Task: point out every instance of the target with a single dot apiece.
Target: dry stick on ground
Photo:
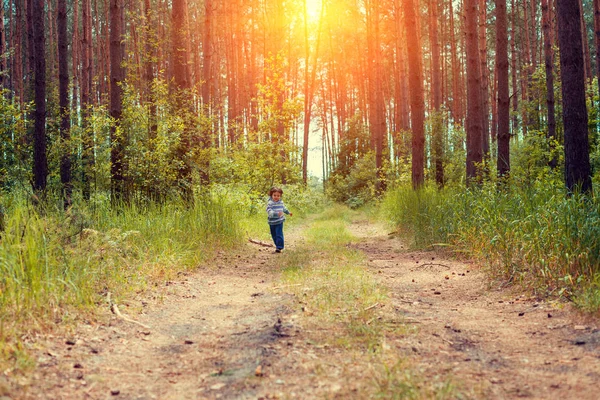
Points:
(433, 265)
(260, 243)
(115, 310)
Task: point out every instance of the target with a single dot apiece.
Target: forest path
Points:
(210, 330)
(494, 343)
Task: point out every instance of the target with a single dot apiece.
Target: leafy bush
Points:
(357, 187)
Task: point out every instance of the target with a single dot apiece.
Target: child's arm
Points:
(285, 210)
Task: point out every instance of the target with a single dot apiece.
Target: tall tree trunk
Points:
(40, 160)
(457, 102)
(86, 87)
(513, 68)
(577, 159)
(417, 101)
(18, 52)
(485, 91)
(207, 55)
(549, 64)
(117, 76)
(436, 88)
(181, 37)
(376, 103)
(63, 96)
(586, 46)
(503, 158)
(151, 44)
(474, 102)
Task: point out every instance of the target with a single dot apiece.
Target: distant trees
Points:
(151, 96)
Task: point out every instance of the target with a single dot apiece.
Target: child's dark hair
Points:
(275, 189)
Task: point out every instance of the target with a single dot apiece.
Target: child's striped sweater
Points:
(273, 210)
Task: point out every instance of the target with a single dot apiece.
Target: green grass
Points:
(56, 265)
(533, 235)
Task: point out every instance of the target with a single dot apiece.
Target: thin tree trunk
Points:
(549, 64)
(514, 72)
(63, 95)
(503, 158)
(484, 78)
(117, 75)
(457, 108)
(436, 87)
(40, 160)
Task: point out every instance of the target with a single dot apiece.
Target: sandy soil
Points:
(230, 331)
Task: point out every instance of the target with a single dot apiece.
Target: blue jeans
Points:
(277, 235)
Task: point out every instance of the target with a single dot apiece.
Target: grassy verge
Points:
(532, 235)
(57, 266)
(337, 294)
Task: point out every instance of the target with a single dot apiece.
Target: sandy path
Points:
(210, 330)
(495, 343)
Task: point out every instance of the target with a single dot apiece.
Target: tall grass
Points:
(534, 234)
(54, 264)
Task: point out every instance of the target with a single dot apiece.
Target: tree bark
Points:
(436, 88)
(474, 102)
(485, 91)
(63, 95)
(514, 71)
(549, 66)
(577, 160)
(503, 158)
(457, 102)
(40, 160)
(117, 75)
(417, 101)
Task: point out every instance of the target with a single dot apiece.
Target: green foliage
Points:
(54, 262)
(531, 234)
(14, 148)
(357, 187)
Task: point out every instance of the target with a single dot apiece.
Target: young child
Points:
(275, 212)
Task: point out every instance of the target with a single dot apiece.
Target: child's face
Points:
(276, 196)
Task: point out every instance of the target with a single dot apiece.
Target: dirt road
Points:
(232, 330)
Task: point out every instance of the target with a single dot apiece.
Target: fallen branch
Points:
(433, 265)
(115, 310)
(370, 307)
(260, 243)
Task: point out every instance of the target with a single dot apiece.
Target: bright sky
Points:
(313, 9)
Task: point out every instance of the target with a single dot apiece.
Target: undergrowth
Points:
(58, 266)
(531, 234)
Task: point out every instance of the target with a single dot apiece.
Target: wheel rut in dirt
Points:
(494, 342)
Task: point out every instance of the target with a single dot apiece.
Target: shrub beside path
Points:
(235, 330)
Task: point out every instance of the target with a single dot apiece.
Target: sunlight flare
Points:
(313, 9)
